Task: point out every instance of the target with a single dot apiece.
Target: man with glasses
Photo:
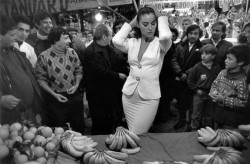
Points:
(43, 24)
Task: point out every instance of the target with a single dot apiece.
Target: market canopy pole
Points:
(136, 8)
(247, 7)
(104, 5)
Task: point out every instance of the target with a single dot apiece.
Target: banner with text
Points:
(30, 7)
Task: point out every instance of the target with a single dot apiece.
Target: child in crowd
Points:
(229, 90)
(199, 81)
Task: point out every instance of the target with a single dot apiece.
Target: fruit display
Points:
(26, 143)
(220, 155)
(245, 130)
(75, 144)
(220, 137)
(105, 157)
(123, 140)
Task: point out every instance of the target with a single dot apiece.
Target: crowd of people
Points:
(130, 74)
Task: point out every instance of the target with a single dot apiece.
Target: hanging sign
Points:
(30, 7)
(119, 2)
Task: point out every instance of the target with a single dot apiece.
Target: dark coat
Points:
(201, 78)
(99, 76)
(222, 48)
(38, 44)
(167, 74)
(183, 60)
(6, 85)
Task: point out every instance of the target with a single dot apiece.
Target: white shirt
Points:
(29, 51)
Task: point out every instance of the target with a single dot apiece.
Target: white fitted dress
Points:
(141, 91)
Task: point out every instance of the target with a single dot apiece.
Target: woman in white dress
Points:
(141, 91)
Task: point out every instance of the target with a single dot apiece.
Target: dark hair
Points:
(174, 30)
(41, 15)
(242, 39)
(142, 11)
(223, 28)
(246, 25)
(116, 23)
(6, 24)
(101, 30)
(22, 19)
(241, 53)
(69, 29)
(209, 48)
(56, 34)
(205, 24)
(194, 27)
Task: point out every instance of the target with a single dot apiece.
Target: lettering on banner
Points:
(30, 7)
(235, 2)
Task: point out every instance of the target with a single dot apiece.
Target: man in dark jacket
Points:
(39, 40)
(187, 54)
(99, 79)
(217, 39)
(20, 97)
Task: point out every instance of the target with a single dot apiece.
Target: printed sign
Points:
(119, 2)
(30, 7)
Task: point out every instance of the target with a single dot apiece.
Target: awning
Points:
(30, 7)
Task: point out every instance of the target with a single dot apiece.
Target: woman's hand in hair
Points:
(133, 23)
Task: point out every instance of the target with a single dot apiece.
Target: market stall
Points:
(46, 145)
(168, 147)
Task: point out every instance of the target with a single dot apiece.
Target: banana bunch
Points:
(220, 155)
(245, 130)
(220, 137)
(104, 157)
(76, 144)
(122, 140)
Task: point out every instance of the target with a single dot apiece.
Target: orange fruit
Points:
(9, 143)
(40, 128)
(13, 134)
(32, 146)
(25, 129)
(39, 152)
(59, 130)
(55, 141)
(4, 133)
(7, 126)
(58, 137)
(4, 151)
(40, 140)
(16, 153)
(47, 132)
(41, 160)
(20, 159)
(15, 127)
(28, 135)
(33, 130)
(50, 146)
